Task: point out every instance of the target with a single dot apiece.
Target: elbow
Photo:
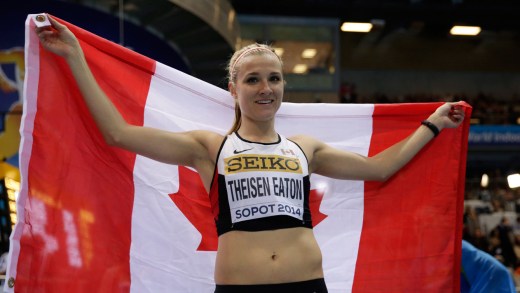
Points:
(112, 139)
(381, 178)
(114, 136)
(384, 176)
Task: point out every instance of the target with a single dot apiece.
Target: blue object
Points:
(481, 272)
(494, 135)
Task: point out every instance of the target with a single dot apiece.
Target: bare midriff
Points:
(268, 257)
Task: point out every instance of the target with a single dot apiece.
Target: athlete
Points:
(261, 186)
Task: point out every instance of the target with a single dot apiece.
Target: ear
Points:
(232, 89)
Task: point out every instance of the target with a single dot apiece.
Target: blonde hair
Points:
(233, 67)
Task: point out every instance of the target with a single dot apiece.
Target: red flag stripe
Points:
(403, 230)
(68, 209)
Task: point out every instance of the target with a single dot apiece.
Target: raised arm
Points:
(189, 148)
(339, 164)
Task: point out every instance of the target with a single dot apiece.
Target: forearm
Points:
(397, 156)
(105, 114)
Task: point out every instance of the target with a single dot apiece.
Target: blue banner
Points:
(494, 135)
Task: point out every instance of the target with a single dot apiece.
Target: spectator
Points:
(482, 273)
(504, 232)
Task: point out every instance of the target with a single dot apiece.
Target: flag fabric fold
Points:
(94, 218)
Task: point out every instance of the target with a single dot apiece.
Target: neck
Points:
(258, 131)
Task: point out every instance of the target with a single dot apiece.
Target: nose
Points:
(265, 88)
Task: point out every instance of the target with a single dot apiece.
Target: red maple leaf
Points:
(315, 198)
(193, 201)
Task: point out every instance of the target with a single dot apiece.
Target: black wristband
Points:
(431, 126)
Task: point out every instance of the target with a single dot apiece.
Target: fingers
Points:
(456, 113)
(452, 113)
(42, 29)
(457, 118)
(457, 107)
(44, 34)
(58, 26)
(444, 109)
(54, 25)
(55, 33)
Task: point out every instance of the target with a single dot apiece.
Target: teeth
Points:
(264, 102)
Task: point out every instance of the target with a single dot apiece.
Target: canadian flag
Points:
(94, 218)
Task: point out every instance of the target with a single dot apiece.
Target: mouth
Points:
(264, 102)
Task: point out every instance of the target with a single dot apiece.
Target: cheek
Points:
(280, 91)
(242, 99)
(245, 94)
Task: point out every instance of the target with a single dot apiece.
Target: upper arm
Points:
(335, 163)
(332, 162)
(180, 148)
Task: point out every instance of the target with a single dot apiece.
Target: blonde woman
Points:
(257, 179)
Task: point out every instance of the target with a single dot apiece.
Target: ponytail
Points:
(238, 119)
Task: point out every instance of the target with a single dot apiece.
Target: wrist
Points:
(433, 128)
(436, 121)
(75, 57)
(74, 53)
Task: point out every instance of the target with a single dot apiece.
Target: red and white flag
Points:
(94, 218)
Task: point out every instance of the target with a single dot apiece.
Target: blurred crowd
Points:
(487, 109)
(491, 223)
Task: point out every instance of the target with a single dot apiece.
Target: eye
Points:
(252, 79)
(275, 78)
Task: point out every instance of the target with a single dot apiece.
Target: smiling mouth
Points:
(264, 102)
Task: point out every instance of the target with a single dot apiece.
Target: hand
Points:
(449, 115)
(58, 39)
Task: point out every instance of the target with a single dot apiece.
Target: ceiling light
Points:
(484, 182)
(459, 30)
(300, 68)
(360, 27)
(513, 180)
(309, 53)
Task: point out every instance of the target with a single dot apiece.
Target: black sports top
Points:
(260, 186)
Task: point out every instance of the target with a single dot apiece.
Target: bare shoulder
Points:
(306, 141)
(308, 144)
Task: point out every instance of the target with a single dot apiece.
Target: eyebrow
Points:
(257, 73)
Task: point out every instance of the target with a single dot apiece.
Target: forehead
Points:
(259, 63)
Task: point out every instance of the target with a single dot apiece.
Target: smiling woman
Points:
(265, 243)
(263, 75)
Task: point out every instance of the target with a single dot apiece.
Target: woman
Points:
(258, 180)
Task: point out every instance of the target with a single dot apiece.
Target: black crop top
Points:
(259, 186)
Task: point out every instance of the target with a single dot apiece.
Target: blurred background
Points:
(334, 51)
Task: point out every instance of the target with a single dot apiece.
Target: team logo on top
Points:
(245, 163)
(287, 152)
(241, 151)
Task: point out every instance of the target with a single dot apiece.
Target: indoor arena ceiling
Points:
(185, 23)
(435, 16)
